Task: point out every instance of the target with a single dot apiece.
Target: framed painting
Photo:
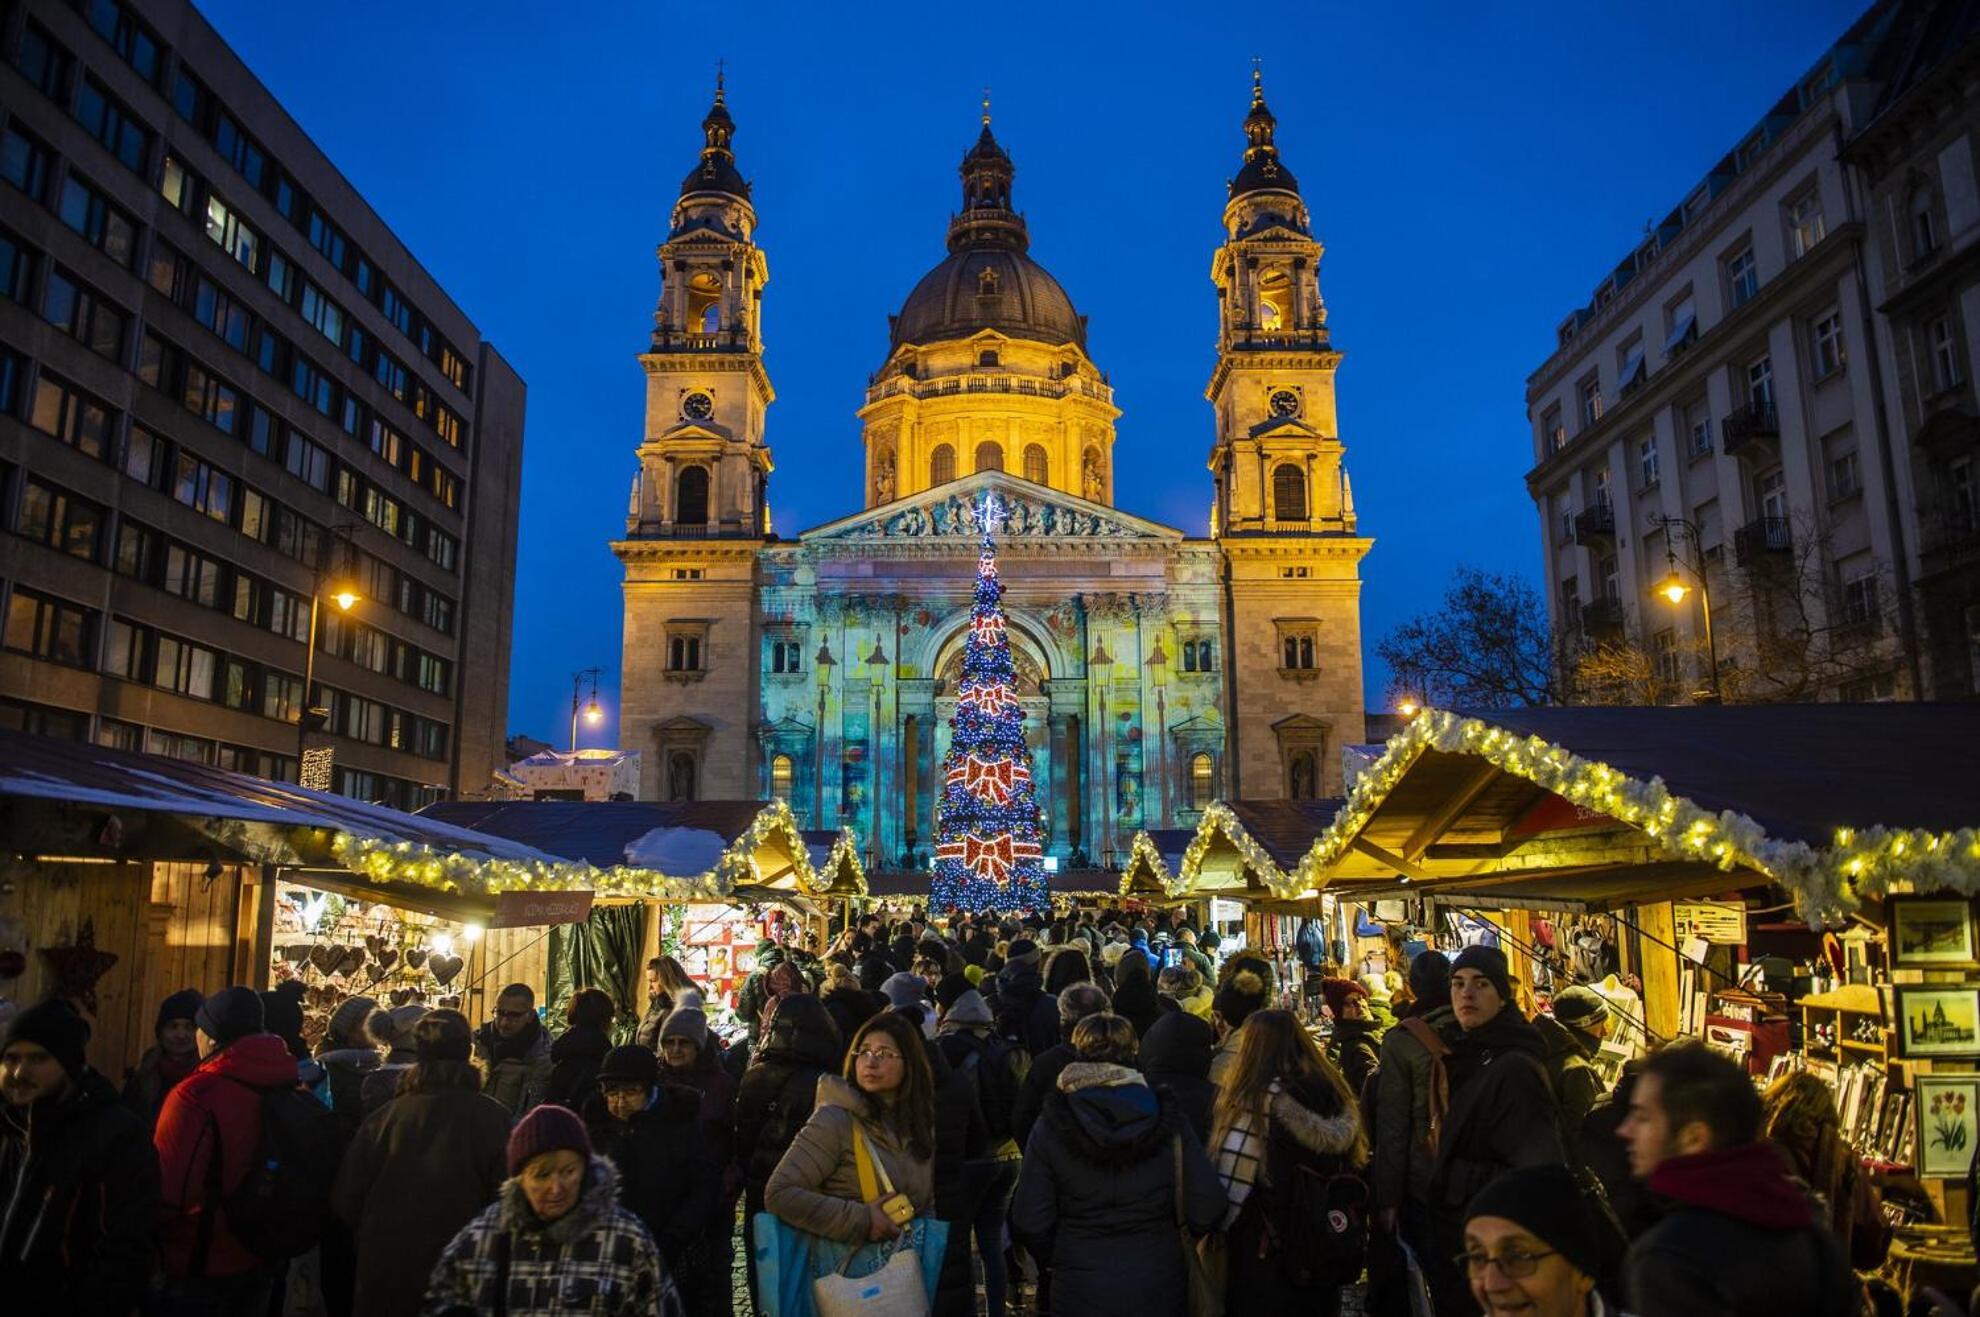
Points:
(1931, 932)
(1937, 1020)
(1947, 1106)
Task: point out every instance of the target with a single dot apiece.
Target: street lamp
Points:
(346, 595)
(593, 714)
(1408, 707)
(1674, 590)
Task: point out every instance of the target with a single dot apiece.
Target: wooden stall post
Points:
(1657, 925)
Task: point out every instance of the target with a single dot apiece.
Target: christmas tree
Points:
(987, 852)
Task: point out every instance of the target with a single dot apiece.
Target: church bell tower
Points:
(703, 465)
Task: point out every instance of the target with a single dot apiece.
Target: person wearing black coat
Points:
(1175, 1056)
(576, 1056)
(78, 1174)
(848, 1004)
(960, 1138)
(1075, 1004)
(1020, 990)
(872, 963)
(1135, 998)
(1097, 1198)
(800, 1043)
(1502, 1113)
(651, 1132)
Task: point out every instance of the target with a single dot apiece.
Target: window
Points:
(1962, 497)
(1859, 591)
(324, 236)
(1742, 276)
(1770, 493)
(193, 576)
(307, 462)
(1944, 341)
(1646, 460)
(1698, 428)
(941, 465)
(1826, 341)
(1844, 479)
(179, 186)
(308, 382)
(786, 657)
(241, 152)
(1288, 493)
(60, 520)
(324, 314)
(989, 456)
(220, 313)
(1610, 572)
(1590, 393)
(202, 488)
(680, 776)
(84, 316)
(1604, 495)
(1296, 650)
(684, 653)
(1553, 430)
(1924, 223)
(101, 224)
(24, 163)
(1199, 655)
(1760, 382)
(987, 357)
(16, 268)
(44, 62)
(1664, 648)
(781, 773)
(1564, 518)
(131, 39)
(1680, 325)
(691, 496)
(1302, 776)
(232, 235)
(1804, 222)
(1037, 466)
(113, 125)
(62, 411)
(137, 550)
(281, 696)
(48, 628)
(1202, 781)
(1570, 601)
(1629, 367)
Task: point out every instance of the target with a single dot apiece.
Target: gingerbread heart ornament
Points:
(444, 968)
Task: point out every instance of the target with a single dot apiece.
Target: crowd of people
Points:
(1110, 1116)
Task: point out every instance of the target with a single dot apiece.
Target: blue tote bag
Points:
(789, 1259)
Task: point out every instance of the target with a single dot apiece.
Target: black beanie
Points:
(1238, 998)
(229, 1014)
(632, 1063)
(181, 1005)
(281, 1015)
(1546, 1201)
(56, 1029)
(1430, 978)
(1491, 962)
(951, 989)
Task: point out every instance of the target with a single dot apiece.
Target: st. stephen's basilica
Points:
(1158, 670)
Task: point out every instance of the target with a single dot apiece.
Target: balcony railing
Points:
(1596, 523)
(678, 530)
(1754, 421)
(1760, 537)
(1602, 618)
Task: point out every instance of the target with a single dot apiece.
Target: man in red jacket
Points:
(216, 1112)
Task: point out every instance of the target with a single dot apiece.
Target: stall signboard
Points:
(1225, 911)
(1722, 923)
(533, 909)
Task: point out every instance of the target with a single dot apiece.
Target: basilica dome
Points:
(987, 280)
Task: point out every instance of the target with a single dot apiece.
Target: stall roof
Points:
(1154, 858)
(103, 781)
(1834, 802)
(1254, 846)
(835, 858)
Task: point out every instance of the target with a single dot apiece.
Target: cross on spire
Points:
(718, 80)
(1257, 80)
(986, 107)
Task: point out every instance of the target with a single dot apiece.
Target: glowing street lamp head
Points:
(1673, 588)
(345, 598)
(592, 713)
(1408, 707)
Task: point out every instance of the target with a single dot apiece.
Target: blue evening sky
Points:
(1473, 171)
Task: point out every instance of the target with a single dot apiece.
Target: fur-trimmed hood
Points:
(1330, 1136)
(594, 1206)
(1108, 1116)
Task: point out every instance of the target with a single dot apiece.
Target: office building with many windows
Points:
(235, 411)
(1768, 403)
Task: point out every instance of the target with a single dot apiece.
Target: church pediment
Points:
(688, 432)
(1029, 512)
(1285, 427)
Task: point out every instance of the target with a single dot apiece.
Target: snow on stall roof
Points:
(677, 852)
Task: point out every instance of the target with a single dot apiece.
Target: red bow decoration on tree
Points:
(989, 857)
(990, 697)
(988, 629)
(990, 780)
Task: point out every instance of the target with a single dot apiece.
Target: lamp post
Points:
(824, 662)
(592, 713)
(876, 662)
(1674, 589)
(1101, 662)
(345, 594)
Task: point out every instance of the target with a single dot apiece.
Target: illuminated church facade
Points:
(1158, 670)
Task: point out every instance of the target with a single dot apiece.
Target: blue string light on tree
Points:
(987, 849)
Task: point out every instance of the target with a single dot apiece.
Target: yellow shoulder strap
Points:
(869, 1186)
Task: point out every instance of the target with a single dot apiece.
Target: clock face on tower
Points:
(1285, 402)
(697, 407)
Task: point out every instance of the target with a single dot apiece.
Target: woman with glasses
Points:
(651, 1133)
(888, 1097)
(1533, 1247)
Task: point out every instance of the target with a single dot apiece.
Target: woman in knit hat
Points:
(1533, 1247)
(393, 1031)
(420, 1168)
(174, 1056)
(555, 1232)
(347, 1054)
(691, 1057)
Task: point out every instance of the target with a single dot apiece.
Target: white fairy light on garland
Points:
(421, 865)
(1862, 862)
(1143, 851)
(1219, 819)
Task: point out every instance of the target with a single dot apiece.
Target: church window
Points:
(780, 778)
(681, 773)
(691, 496)
(986, 281)
(1288, 493)
(1199, 656)
(989, 456)
(1037, 466)
(941, 465)
(987, 357)
(1302, 776)
(705, 302)
(1274, 300)
(1202, 781)
(1299, 642)
(786, 656)
(684, 653)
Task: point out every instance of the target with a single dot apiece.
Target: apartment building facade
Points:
(227, 394)
(1728, 411)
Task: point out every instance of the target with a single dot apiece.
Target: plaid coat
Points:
(597, 1258)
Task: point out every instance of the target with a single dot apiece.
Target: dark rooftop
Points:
(1285, 828)
(597, 832)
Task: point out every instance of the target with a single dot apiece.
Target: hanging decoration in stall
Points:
(340, 947)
